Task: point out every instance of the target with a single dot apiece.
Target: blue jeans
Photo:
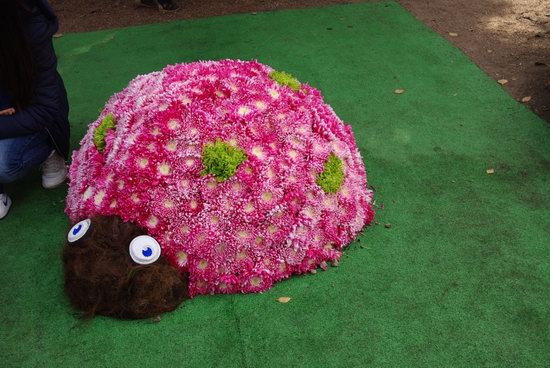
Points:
(20, 155)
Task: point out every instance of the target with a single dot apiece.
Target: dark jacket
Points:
(49, 108)
(5, 100)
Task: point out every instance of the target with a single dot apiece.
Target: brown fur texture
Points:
(101, 277)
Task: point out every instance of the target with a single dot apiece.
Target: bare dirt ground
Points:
(509, 39)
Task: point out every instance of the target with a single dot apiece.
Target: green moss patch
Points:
(221, 160)
(332, 177)
(285, 79)
(101, 131)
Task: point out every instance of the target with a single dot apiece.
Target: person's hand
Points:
(7, 112)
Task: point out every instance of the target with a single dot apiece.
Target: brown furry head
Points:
(102, 278)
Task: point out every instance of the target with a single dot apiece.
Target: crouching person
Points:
(34, 125)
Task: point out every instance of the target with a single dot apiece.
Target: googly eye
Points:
(79, 230)
(144, 250)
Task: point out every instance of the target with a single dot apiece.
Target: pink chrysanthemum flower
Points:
(243, 175)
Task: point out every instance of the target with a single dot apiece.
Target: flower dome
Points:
(241, 173)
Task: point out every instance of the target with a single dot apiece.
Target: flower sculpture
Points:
(241, 174)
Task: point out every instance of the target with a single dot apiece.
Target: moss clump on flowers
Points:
(285, 79)
(221, 160)
(100, 132)
(332, 176)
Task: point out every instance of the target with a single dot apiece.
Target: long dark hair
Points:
(16, 65)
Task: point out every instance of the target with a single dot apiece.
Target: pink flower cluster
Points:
(267, 222)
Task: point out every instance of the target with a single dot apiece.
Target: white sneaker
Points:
(5, 204)
(54, 171)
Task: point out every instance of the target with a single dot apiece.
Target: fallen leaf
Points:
(490, 171)
(399, 91)
(502, 81)
(283, 299)
(452, 34)
(526, 99)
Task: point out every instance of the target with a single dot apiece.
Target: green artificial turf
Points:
(461, 279)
